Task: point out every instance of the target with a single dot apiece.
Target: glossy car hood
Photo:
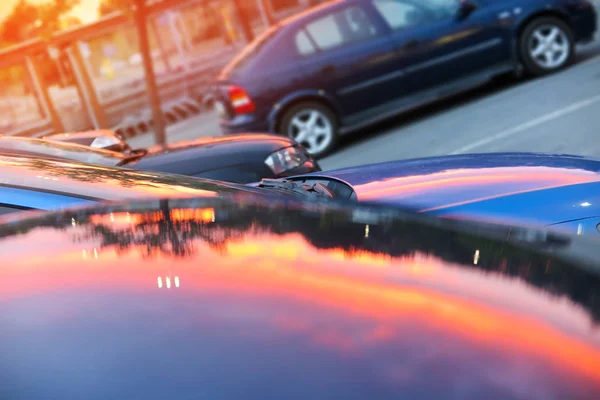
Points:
(508, 187)
(193, 156)
(288, 300)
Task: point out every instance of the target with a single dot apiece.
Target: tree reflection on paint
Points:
(174, 228)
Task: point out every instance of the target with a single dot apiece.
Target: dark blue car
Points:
(251, 298)
(347, 64)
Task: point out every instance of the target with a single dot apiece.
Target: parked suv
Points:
(347, 64)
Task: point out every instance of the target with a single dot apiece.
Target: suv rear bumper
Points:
(243, 124)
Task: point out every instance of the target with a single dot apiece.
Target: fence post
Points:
(140, 16)
(42, 94)
(161, 44)
(84, 81)
(244, 21)
(265, 13)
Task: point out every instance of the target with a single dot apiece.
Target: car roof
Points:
(84, 134)
(216, 298)
(97, 182)
(58, 150)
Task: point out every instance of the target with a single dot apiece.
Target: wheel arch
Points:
(541, 14)
(318, 96)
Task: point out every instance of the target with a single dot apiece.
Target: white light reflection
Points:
(73, 222)
(95, 253)
(476, 257)
(168, 282)
(585, 204)
(367, 231)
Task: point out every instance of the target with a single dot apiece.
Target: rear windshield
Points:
(66, 151)
(251, 51)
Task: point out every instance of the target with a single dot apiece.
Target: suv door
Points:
(345, 53)
(442, 45)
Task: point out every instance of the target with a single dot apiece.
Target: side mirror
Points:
(465, 8)
(112, 143)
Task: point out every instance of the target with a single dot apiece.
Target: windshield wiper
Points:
(135, 155)
(316, 190)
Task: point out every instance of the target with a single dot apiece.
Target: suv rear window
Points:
(251, 51)
(403, 14)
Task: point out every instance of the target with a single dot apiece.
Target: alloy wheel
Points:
(312, 129)
(549, 47)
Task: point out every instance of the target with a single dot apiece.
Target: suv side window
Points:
(303, 44)
(400, 14)
(334, 30)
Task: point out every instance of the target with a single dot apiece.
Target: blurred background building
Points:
(60, 74)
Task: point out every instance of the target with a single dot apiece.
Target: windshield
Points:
(68, 151)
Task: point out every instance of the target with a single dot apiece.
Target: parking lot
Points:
(556, 114)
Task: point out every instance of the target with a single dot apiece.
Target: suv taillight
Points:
(240, 101)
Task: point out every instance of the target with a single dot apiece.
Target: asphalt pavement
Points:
(555, 114)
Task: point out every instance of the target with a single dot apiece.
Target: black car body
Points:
(350, 63)
(238, 158)
(28, 183)
(256, 298)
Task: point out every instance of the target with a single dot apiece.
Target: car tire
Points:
(313, 125)
(546, 46)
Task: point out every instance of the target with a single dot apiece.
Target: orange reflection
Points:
(530, 179)
(210, 141)
(384, 301)
(99, 182)
(118, 219)
(457, 36)
(121, 219)
(332, 281)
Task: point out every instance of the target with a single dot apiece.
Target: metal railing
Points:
(101, 80)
